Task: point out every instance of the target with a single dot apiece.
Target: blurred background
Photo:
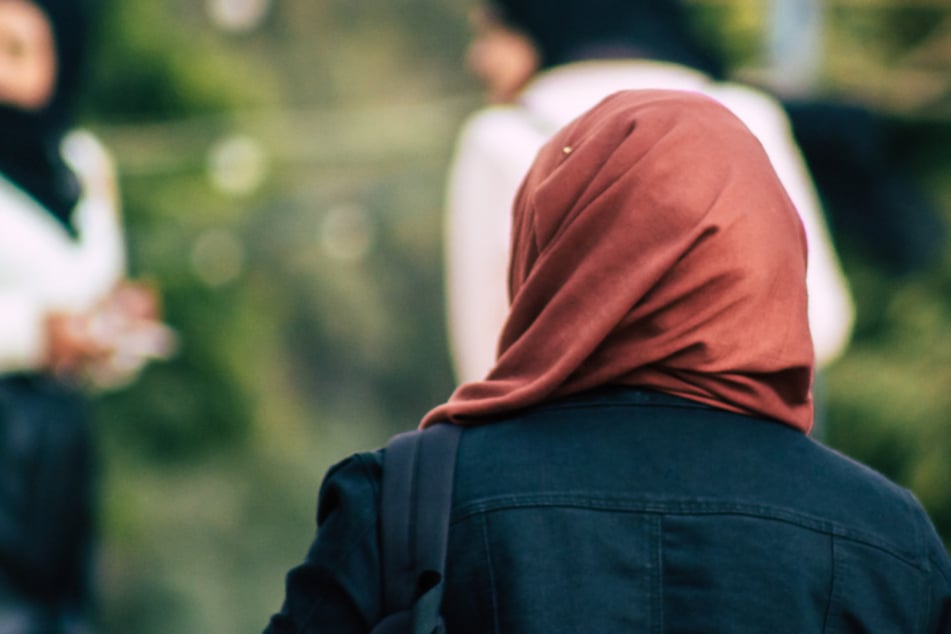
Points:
(282, 165)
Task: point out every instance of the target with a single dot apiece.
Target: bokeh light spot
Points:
(217, 257)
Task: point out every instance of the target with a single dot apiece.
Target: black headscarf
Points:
(572, 30)
(29, 150)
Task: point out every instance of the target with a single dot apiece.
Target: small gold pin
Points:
(567, 149)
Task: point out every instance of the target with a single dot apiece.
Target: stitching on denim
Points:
(484, 523)
(833, 586)
(657, 575)
(691, 506)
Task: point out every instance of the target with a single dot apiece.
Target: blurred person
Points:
(637, 458)
(860, 160)
(69, 319)
(542, 65)
(858, 155)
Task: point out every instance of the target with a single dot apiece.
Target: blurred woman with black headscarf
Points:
(68, 318)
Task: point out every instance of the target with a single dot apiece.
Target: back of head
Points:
(570, 30)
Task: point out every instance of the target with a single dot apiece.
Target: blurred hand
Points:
(108, 346)
(134, 301)
(70, 346)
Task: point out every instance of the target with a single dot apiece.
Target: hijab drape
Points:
(652, 246)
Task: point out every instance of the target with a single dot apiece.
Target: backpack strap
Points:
(416, 501)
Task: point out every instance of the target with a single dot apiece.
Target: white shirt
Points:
(42, 268)
(497, 146)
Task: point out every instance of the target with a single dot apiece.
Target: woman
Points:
(67, 317)
(543, 64)
(637, 458)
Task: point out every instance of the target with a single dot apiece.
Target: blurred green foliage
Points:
(308, 292)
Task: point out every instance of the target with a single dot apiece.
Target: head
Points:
(501, 56)
(41, 56)
(654, 246)
(27, 55)
(41, 53)
(514, 39)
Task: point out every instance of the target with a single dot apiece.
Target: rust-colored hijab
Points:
(652, 246)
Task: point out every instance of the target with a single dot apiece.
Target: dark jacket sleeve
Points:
(937, 565)
(940, 588)
(338, 587)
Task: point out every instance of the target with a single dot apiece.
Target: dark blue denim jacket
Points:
(632, 511)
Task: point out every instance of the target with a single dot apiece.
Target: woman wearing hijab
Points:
(67, 318)
(543, 64)
(637, 459)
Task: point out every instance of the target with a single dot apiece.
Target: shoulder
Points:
(490, 121)
(495, 130)
(866, 503)
(350, 484)
(759, 111)
(494, 149)
(93, 164)
(85, 152)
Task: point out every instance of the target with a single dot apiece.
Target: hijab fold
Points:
(653, 246)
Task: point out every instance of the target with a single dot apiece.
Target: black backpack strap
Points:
(416, 501)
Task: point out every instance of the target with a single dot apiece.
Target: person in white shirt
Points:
(543, 64)
(69, 318)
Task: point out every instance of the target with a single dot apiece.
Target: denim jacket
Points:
(631, 511)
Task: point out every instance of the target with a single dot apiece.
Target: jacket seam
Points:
(493, 594)
(684, 507)
(833, 586)
(657, 539)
